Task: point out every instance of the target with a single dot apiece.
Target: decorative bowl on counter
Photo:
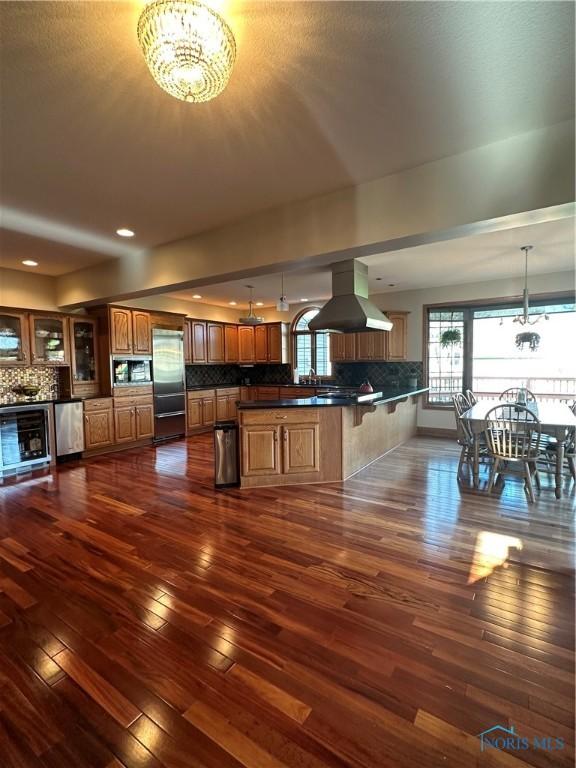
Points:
(28, 390)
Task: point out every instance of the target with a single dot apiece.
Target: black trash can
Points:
(226, 464)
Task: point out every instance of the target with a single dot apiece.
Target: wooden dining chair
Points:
(471, 397)
(464, 433)
(513, 440)
(549, 453)
(511, 395)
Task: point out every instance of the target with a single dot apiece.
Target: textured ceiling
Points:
(323, 95)
(491, 256)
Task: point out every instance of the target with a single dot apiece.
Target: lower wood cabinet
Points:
(144, 421)
(207, 411)
(124, 424)
(221, 407)
(98, 424)
(290, 447)
(260, 453)
(201, 409)
(194, 414)
(300, 448)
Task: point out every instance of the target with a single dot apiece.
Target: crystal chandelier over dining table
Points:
(189, 48)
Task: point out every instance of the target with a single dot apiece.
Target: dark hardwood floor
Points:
(147, 620)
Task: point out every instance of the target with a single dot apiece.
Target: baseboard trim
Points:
(437, 432)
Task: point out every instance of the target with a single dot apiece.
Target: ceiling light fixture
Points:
(232, 303)
(282, 303)
(124, 232)
(251, 318)
(30, 263)
(524, 318)
(196, 296)
(189, 48)
(304, 299)
(259, 303)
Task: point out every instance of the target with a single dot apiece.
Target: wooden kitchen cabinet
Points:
(207, 411)
(141, 333)
(343, 347)
(194, 414)
(261, 344)
(276, 343)
(215, 334)
(187, 342)
(120, 331)
(49, 340)
(397, 338)
(246, 352)
(14, 332)
(144, 415)
(98, 424)
(198, 341)
(231, 343)
(221, 407)
(83, 355)
(300, 448)
(124, 424)
(260, 452)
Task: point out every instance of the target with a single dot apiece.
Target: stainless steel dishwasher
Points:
(69, 418)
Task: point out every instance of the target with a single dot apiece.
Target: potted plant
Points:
(450, 337)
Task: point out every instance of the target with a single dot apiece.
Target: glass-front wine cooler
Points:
(24, 438)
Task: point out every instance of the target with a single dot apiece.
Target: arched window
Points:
(311, 348)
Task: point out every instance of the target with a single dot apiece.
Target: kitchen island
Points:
(321, 439)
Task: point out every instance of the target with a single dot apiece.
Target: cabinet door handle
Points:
(285, 434)
(86, 419)
(277, 416)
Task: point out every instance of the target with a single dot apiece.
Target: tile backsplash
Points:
(214, 375)
(44, 377)
(378, 374)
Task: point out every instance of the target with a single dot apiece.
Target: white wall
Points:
(414, 301)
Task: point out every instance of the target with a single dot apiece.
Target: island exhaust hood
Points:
(349, 310)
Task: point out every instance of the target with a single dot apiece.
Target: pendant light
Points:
(282, 303)
(250, 318)
(524, 318)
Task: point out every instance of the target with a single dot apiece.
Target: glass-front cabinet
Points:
(83, 352)
(13, 339)
(49, 340)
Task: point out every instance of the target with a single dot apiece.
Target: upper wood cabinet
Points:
(49, 340)
(130, 332)
(342, 347)
(83, 354)
(231, 343)
(120, 331)
(187, 341)
(261, 344)
(246, 352)
(397, 338)
(277, 343)
(141, 333)
(199, 347)
(215, 332)
(14, 333)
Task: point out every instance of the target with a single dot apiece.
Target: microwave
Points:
(132, 371)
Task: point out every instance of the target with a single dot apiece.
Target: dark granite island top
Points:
(387, 396)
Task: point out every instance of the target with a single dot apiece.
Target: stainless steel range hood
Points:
(349, 310)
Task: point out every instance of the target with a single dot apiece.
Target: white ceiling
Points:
(491, 256)
(53, 258)
(323, 95)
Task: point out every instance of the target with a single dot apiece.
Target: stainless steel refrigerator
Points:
(169, 387)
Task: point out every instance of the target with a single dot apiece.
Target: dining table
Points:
(556, 420)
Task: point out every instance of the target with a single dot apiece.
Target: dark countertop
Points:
(236, 386)
(388, 396)
(39, 401)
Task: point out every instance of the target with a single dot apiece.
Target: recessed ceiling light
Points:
(391, 285)
(232, 303)
(30, 263)
(196, 296)
(125, 232)
(259, 303)
(378, 278)
(304, 299)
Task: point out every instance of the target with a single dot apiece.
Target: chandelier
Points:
(188, 47)
(250, 318)
(524, 318)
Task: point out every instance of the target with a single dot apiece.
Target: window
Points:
(475, 347)
(311, 348)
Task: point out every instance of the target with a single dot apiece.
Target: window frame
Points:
(468, 308)
(294, 335)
